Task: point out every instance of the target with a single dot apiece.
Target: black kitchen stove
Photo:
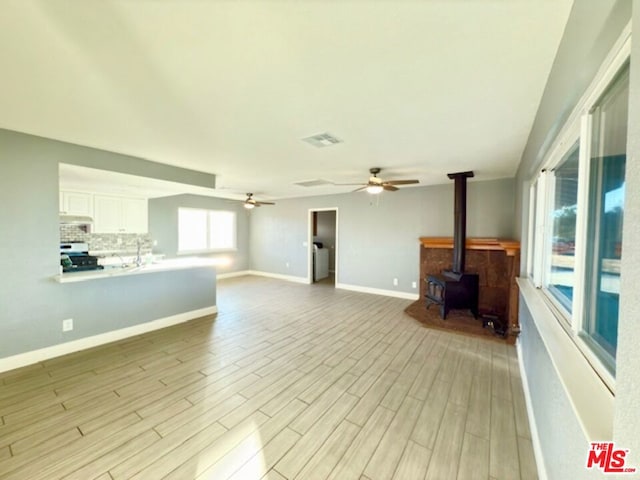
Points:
(74, 257)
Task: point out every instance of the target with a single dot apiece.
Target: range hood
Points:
(75, 220)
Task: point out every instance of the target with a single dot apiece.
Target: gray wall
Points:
(590, 34)
(627, 412)
(377, 235)
(326, 234)
(555, 421)
(104, 160)
(163, 227)
(32, 305)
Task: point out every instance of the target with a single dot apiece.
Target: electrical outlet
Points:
(413, 284)
(155, 243)
(119, 241)
(287, 264)
(67, 325)
(395, 282)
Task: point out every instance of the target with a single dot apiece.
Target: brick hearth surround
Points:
(496, 261)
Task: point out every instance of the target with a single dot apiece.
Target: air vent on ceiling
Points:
(322, 140)
(313, 183)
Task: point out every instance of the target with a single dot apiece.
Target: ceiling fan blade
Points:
(401, 182)
(359, 189)
(389, 188)
(350, 184)
(264, 203)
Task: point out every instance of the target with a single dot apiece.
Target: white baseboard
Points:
(288, 278)
(378, 291)
(35, 356)
(343, 286)
(240, 273)
(533, 426)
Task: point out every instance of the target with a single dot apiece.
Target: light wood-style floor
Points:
(288, 381)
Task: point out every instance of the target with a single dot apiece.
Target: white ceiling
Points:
(419, 88)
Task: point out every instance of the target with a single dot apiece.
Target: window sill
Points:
(590, 398)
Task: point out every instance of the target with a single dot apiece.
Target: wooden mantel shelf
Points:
(510, 247)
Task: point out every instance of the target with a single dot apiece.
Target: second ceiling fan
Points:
(251, 202)
(376, 185)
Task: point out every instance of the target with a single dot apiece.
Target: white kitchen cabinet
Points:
(106, 214)
(135, 215)
(120, 214)
(76, 203)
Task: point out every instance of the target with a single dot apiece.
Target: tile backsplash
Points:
(106, 242)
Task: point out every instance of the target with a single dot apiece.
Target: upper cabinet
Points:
(135, 215)
(107, 214)
(110, 213)
(76, 203)
(113, 214)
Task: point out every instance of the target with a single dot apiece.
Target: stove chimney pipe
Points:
(459, 219)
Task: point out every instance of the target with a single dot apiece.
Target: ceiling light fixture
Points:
(374, 189)
(249, 206)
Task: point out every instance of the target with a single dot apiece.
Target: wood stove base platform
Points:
(458, 321)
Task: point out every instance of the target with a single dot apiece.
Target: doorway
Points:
(323, 246)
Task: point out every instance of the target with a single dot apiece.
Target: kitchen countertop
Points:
(118, 271)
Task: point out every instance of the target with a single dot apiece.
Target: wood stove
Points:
(455, 288)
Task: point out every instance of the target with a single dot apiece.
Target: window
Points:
(206, 230)
(536, 229)
(577, 205)
(560, 272)
(604, 222)
(531, 228)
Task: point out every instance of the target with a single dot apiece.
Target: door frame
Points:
(310, 241)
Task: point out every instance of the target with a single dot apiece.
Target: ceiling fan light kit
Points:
(251, 202)
(375, 185)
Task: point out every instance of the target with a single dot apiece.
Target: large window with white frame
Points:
(577, 213)
(201, 231)
(605, 206)
(560, 274)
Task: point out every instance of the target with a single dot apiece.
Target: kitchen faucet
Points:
(122, 264)
(138, 256)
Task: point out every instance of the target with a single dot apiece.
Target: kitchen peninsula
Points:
(103, 306)
(43, 317)
(145, 268)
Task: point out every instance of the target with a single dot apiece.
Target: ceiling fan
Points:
(376, 185)
(251, 202)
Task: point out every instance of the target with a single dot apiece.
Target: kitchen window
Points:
(201, 231)
(577, 213)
